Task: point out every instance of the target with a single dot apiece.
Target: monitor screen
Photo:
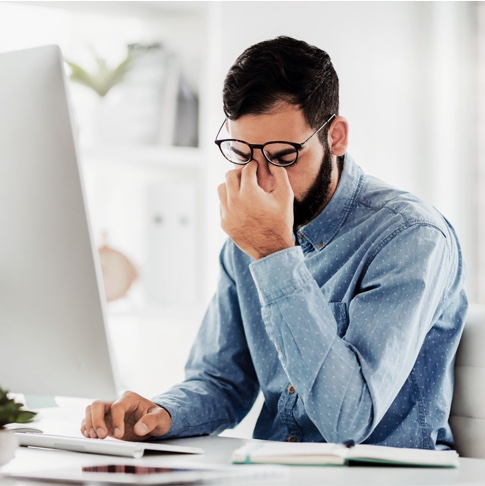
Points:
(53, 339)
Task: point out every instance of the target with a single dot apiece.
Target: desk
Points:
(218, 451)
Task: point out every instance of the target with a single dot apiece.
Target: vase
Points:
(8, 446)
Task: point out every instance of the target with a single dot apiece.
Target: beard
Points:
(316, 196)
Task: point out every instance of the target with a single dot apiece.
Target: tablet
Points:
(109, 446)
(113, 473)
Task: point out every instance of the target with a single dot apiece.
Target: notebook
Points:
(111, 447)
(326, 454)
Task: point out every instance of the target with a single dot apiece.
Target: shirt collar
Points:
(322, 229)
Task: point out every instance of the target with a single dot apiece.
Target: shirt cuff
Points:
(182, 415)
(181, 418)
(176, 428)
(279, 274)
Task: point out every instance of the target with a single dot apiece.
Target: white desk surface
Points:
(218, 451)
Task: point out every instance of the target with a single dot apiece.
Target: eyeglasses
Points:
(279, 153)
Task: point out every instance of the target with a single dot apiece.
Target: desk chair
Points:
(467, 418)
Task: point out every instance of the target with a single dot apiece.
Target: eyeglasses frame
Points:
(252, 146)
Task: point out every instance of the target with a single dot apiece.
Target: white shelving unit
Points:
(153, 202)
(115, 165)
(150, 201)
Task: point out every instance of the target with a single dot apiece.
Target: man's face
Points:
(311, 177)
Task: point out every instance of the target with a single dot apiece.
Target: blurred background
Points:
(145, 86)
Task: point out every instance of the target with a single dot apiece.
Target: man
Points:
(340, 298)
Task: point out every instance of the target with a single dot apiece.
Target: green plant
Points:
(11, 411)
(104, 77)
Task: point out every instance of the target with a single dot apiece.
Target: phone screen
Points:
(132, 469)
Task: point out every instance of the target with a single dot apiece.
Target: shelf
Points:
(145, 156)
(126, 8)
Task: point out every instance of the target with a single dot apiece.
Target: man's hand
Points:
(259, 222)
(130, 417)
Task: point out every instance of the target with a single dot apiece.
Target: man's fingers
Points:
(233, 183)
(156, 422)
(222, 192)
(130, 417)
(118, 412)
(249, 176)
(95, 425)
(280, 175)
(230, 189)
(84, 429)
(126, 404)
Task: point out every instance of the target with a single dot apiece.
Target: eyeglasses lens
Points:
(282, 154)
(236, 152)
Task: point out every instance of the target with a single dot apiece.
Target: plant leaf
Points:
(12, 412)
(104, 78)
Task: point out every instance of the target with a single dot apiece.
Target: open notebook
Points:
(312, 453)
(112, 447)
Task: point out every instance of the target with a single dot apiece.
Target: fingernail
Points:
(142, 428)
(117, 432)
(100, 432)
(85, 433)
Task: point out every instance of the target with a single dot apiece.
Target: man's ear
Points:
(338, 136)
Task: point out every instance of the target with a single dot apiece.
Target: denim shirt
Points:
(349, 335)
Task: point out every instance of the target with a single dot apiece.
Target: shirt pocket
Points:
(339, 311)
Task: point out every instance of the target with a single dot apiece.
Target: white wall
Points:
(480, 215)
(407, 77)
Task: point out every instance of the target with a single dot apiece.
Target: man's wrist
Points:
(269, 250)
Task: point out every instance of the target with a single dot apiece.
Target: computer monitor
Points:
(53, 338)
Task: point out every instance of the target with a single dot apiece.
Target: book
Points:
(317, 453)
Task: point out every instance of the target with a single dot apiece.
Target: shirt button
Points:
(291, 389)
(291, 438)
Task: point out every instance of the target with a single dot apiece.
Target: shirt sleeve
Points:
(348, 383)
(220, 386)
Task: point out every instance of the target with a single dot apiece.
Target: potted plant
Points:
(10, 412)
(104, 77)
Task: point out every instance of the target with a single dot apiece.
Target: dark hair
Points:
(282, 69)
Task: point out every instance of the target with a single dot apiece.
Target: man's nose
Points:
(265, 178)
